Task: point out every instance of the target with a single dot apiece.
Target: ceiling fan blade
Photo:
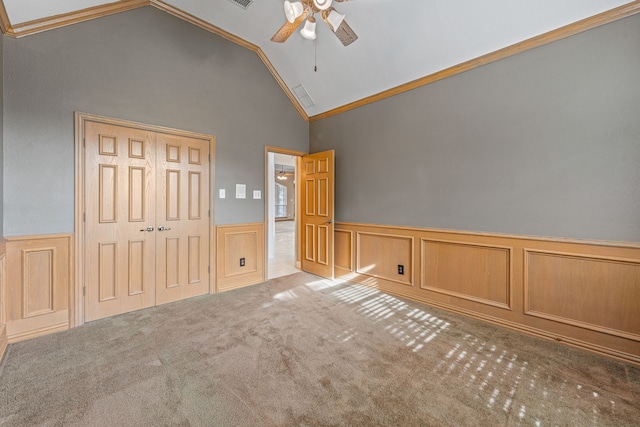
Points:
(288, 28)
(344, 32)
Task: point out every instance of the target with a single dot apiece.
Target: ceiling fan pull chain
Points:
(315, 57)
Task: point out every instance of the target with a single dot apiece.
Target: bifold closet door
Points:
(119, 218)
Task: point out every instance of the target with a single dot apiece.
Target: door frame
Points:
(270, 149)
(77, 294)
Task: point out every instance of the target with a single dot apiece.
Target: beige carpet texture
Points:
(303, 351)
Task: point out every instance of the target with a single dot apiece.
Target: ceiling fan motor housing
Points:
(322, 4)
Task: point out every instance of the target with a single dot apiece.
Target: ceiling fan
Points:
(305, 10)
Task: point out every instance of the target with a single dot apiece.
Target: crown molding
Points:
(62, 20)
(235, 39)
(537, 41)
(57, 21)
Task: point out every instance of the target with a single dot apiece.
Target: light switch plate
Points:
(223, 193)
(257, 194)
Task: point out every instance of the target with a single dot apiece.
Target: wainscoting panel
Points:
(38, 284)
(581, 293)
(380, 255)
(343, 249)
(4, 342)
(602, 294)
(470, 271)
(236, 242)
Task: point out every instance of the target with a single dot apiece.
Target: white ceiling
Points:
(399, 40)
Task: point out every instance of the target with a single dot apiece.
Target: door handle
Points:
(162, 228)
(330, 221)
(147, 229)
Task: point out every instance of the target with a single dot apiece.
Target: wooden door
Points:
(119, 219)
(182, 217)
(317, 213)
(147, 218)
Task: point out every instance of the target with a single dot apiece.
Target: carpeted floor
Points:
(300, 351)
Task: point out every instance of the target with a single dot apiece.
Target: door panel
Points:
(183, 217)
(318, 213)
(120, 264)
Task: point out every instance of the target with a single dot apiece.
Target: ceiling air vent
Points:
(242, 3)
(303, 96)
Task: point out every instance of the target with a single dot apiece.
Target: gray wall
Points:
(147, 66)
(543, 143)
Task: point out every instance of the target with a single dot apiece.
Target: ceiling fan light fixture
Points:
(292, 10)
(309, 30)
(322, 4)
(335, 19)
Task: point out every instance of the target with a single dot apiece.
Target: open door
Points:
(316, 216)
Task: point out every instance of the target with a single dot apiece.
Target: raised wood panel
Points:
(310, 245)
(602, 294)
(108, 193)
(309, 166)
(136, 148)
(323, 197)
(137, 194)
(343, 249)
(581, 293)
(194, 259)
(37, 287)
(470, 271)
(378, 255)
(195, 195)
(233, 243)
(310, 192)
(136, 266)
(323, 244)
(108, 274)
(173, 153)
(195, 156)
(108, 145)
(173, 195)
(37, 281)
(172, 262)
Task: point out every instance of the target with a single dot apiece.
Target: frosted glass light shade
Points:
(292, 10)
(335, 19)
(309, 30)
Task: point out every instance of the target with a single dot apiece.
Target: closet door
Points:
(147, 218)
(182, 217)
(119, 220)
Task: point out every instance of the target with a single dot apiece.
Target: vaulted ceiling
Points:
(401, 44)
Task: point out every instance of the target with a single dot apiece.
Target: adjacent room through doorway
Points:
(281, 216)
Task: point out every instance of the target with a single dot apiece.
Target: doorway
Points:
(282, 212)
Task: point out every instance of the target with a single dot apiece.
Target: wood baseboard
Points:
(580, 293)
